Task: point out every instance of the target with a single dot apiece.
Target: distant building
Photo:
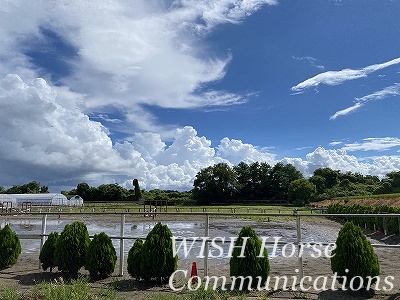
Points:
(45, 199)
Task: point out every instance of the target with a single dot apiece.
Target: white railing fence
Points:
(298, 215)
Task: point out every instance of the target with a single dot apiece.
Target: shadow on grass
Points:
(37, 277)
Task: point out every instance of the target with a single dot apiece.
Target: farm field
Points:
(25, 275)
(376, 200)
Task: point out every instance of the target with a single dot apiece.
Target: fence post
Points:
(206, 248)
(300, 258)
(42, 237)
(384, 226)
(121, 246)
(398, 222)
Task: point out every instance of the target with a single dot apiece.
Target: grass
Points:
(81, 290)
(7, 293)
(123, 207)
(76, 290)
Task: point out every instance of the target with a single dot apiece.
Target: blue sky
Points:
(108, 91)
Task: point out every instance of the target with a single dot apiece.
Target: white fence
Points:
(206, 215)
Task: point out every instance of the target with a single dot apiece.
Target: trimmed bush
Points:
(250, 264)
(101, 256)
(10, 247)
(158, 261)
(135, 259)
(46, 256)
(355, 254)
(71, 248)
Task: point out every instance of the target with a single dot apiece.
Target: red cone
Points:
(194, 272)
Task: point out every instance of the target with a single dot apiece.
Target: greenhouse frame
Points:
(44, 199)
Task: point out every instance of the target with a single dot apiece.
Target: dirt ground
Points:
(26, 273)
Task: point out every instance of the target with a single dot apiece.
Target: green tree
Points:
(301, 192)
(331, 176)
(157, 257)
(253, 180)
(47, 254)
(111, 192)
(138, 193)
(394, 178)
(354, 257)
(281, 177)
(44, 189)
(135, 259)
(242, 171)
(32, 187)
(100, 256)
(71, 248)
(216, 183)
(319, 182)
(10, 247)
(252, 263)
(83, 190)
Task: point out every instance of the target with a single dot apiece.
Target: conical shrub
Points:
(47, 254)
(10, 247)
(135, 259)
(354, 258)
(251, 264)
(71, 248)
(101, 256)
(158, 261)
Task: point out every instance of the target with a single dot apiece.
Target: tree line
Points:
(243, 183)
(115, 193)
(32, 187)
(248, 183)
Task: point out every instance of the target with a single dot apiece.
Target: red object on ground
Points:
(194, 272)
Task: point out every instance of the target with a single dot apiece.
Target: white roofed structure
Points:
(46, 199)
(7, 198)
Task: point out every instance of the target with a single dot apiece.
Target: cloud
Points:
(210, 13)
(339, 77)
(236, 151)
(339, 159)
(60, 147)
(37, 131)
(346, 111)
(335, 143)
(42, 140)
(389, 91)
(311, 60)
(373, 144)
(153, 54)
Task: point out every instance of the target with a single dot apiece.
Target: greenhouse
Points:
(45, 199)
(6, 199)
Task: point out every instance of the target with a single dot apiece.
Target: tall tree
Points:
(281, 177)
(215, 184)
(301, 192)
(331, 176)
(83, 190)
(138, 193)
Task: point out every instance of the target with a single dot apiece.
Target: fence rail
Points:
(206, 215)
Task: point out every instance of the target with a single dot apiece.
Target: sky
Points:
(108, 91)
